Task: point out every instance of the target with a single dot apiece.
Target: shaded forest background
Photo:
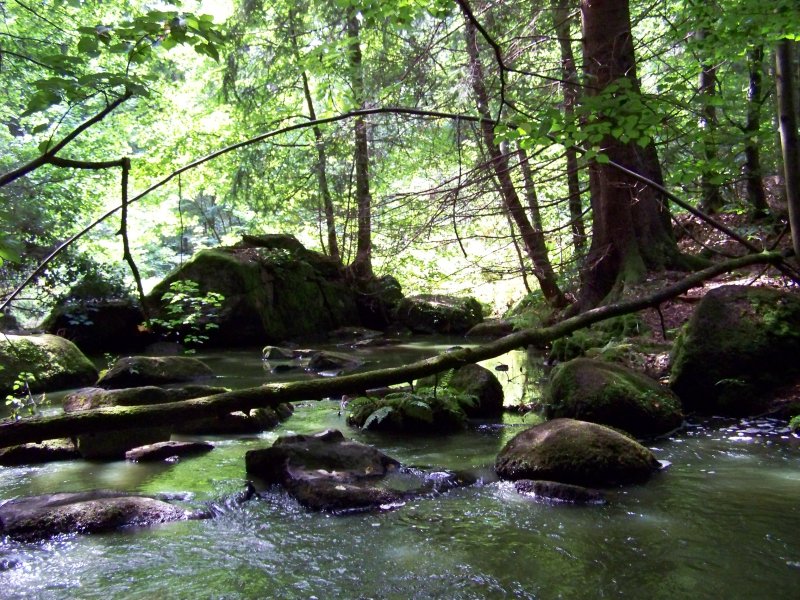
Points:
(463, 147)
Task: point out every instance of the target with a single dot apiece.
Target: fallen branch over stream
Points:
(37, 429)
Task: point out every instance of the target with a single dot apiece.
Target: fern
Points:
(378, 416)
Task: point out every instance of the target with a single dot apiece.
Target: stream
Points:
(723, 521)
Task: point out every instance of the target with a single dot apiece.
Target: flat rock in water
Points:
(30, 454)
(559, 492)
(40, 517)
(163, 450)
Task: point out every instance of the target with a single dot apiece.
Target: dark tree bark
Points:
(321, 166)
(532, 238)
(752, 156)
(571, 88)
(711, 200)
(361, 268)
(787, 125)
(631, 231)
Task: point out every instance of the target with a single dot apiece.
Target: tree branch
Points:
(116, 418)
(49, 156)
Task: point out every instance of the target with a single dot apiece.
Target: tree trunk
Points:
(321, 166)
(752, 156)
(99, 420)
(361, 268)
(570, 86)
(787, 125)
(712, 199)
(631, 231)
(533, 239)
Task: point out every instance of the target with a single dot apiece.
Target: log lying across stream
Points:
(37, 429)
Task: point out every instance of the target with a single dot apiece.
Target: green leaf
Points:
(378, 416)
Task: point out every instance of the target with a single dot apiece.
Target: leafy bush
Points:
(430, 409)
(189, 316)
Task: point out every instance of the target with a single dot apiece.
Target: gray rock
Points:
(164, 450)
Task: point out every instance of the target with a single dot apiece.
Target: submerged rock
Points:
(54, 362)
(739, 343)
(613, 395)
(558, 492)
(138, 371)
(575, 452)
(41, 517)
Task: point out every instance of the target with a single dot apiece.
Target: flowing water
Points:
(722, 522)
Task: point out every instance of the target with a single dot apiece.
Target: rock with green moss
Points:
(273, 288)
(94, 397)
(437, 313)
(739, 344)
(44, 452)
(575, 452)
(40, 517)
(138, 371)
(613, 395)
(54, 363)
(471, 380)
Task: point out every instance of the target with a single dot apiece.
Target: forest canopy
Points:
(492, 148)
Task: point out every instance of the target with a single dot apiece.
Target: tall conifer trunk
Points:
(361, 266)
(631, 231)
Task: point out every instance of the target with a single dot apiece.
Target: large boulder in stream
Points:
(138, 371)
(100, 325)
(438, 313)
(739, 344)
(330, 473)
(613, 395)
(40, 517)
(274, 289)
(53, 362)
(575, 452)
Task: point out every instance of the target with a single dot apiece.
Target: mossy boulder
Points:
(40, 517)
(138, 371)
(273, 288)
(94, 397)
(613, 395)
(575, 452)
(100, 326)
(471, 380)
(437, 313)
(45, 452)
(739, 343)
(54, 362)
